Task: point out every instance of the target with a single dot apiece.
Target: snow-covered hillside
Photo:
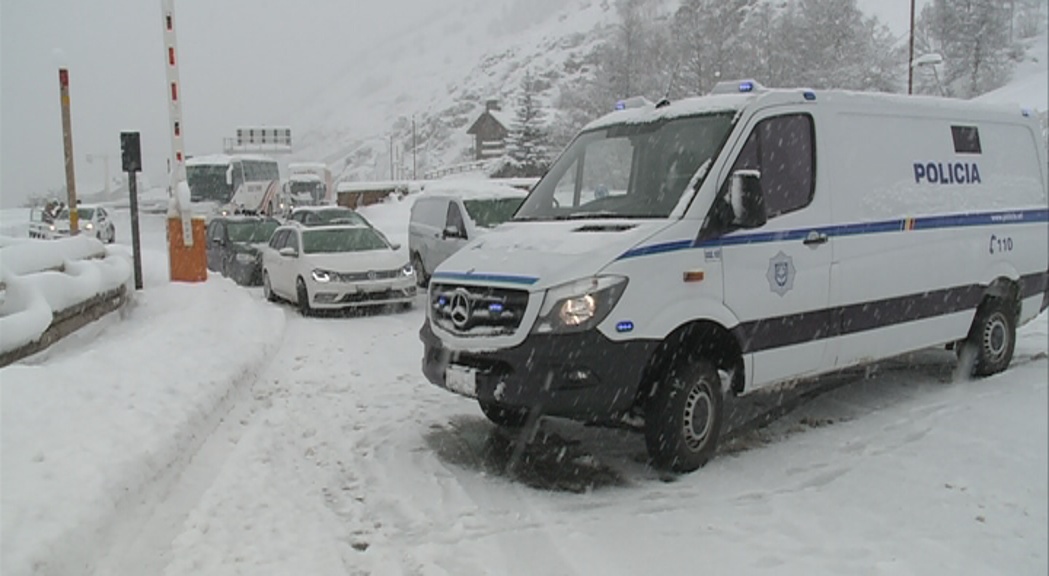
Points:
(441, 67)
(441, 64)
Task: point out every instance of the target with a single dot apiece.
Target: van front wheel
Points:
(683, 417)
(992, 337)
(503, 416)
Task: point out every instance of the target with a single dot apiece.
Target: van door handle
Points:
(815, 239)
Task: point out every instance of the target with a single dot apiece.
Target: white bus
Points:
(243, 180)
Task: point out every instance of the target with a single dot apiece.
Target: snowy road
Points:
(338, 458)
(341, 460)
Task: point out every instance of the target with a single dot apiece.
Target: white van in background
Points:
(678, 252)
(448, 214)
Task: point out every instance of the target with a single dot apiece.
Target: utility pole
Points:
(131, 162)
(910, 58)
(391, 157)
(413, 147)
(67, 144)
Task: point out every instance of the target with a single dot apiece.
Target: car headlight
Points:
(246, 258)
(89, 226)
(321, 276)
(579, 305)
(407, 270)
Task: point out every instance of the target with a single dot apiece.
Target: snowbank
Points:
(84, 434)
(42, 277)
(21, 256)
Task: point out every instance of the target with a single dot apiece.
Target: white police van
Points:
(679, 252)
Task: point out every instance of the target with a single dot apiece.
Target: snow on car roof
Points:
(293, 166)
(468, 189)
(320, 208)
(300, 177)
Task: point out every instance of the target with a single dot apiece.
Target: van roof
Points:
(867, 101)
(467, 189)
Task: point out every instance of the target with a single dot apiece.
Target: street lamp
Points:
(931, 60)
(105, 164)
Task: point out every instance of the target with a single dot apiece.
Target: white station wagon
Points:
(336, 267)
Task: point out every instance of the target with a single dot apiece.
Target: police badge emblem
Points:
(781, 273)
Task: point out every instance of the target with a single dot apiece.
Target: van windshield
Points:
(491, 212)
(629, 170)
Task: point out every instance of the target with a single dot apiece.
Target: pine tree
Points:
(527, 148)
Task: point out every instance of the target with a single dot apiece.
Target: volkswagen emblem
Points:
(460, 311)
(371, 274)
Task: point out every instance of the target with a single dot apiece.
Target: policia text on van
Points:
(677, 253)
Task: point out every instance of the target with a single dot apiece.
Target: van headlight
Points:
(246, 258)
(321, 276)
(407, 269)
(89, 226)
(579, 305)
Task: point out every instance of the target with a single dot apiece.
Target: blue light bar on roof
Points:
(746, 86)
(621, 105)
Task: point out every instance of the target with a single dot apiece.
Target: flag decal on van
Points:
(781, 273)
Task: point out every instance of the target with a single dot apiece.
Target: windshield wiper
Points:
(602, 215)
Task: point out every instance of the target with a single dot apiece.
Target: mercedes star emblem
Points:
(460, 312)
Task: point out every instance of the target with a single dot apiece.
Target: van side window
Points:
(966, 139)
(782, 149)
(455, 218)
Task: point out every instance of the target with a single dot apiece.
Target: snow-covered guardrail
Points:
(49, 289)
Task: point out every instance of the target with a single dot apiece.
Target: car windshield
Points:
(628, 170)
(82, 213)
(251, 231)
(488, 213)
(342, 240)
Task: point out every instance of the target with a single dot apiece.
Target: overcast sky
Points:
(242, 62)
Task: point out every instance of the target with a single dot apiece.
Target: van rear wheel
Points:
(683, 417)
(992, 337)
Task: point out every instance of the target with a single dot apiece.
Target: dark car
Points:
(234, 244)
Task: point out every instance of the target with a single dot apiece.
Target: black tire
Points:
(420, 273)
(502, 416)
(683, 417)
(992, 337)
(112, 235)
(267, 288)
(302, 297)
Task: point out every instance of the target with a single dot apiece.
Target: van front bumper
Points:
(583, 376)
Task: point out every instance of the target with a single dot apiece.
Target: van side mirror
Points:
(747, 199)
(452, 232)
(229, 175)
(288, 252)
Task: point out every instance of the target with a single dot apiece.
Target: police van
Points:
(678, 252)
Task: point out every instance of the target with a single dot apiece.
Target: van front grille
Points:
(477, 310)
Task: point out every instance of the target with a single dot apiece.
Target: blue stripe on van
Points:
(502, 278)
(861, 228)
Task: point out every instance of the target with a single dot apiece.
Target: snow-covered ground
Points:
(207, 431)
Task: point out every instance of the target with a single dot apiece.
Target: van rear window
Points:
(966, 139)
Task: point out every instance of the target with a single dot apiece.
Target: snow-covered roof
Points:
(678, 109)
(376, 185)
(321, 208)
(504, 117)
(472, 189)
(307, 166)
(305, 177)
(870, 101)
(224, 159)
